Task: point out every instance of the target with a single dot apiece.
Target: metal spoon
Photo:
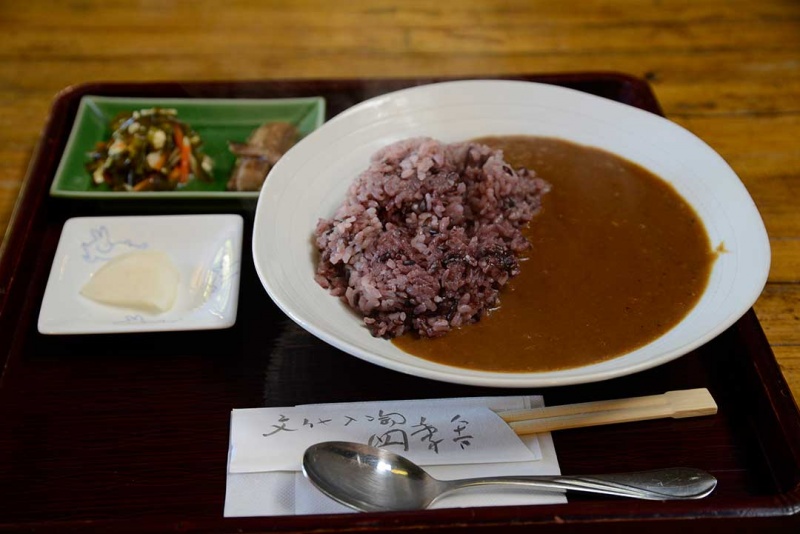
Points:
(372, 479)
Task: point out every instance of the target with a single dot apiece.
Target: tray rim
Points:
(770, 510)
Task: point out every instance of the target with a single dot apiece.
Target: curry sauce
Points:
(617, 258)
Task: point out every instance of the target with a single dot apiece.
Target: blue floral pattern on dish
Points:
(102, 248)
(139, 319)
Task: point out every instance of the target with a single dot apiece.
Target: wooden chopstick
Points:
(676, 404)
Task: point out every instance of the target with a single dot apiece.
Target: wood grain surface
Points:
(729, 71)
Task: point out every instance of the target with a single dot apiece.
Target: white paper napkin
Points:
(452, 438)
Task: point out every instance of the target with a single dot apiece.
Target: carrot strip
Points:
(183, 146)
(145, 185)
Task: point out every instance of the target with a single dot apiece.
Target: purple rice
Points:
(428, 235)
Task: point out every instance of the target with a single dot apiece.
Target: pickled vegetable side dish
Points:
(149, 150)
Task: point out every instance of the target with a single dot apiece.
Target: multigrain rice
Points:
(427, 236)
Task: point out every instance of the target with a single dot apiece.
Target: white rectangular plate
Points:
(206, 249)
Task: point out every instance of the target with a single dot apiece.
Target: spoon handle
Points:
(660, 484)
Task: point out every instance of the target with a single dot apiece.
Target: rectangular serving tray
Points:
(129, 433)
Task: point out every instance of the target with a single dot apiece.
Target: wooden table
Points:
(728, 71)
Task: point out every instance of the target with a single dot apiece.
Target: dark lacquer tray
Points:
(129, 433)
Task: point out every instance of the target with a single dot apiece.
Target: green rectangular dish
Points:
(218, 121)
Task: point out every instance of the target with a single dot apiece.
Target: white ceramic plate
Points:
(206, 249)
(312, 179)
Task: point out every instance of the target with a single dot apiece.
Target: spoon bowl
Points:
(372, 479)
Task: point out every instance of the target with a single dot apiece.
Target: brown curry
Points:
(617, 259)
